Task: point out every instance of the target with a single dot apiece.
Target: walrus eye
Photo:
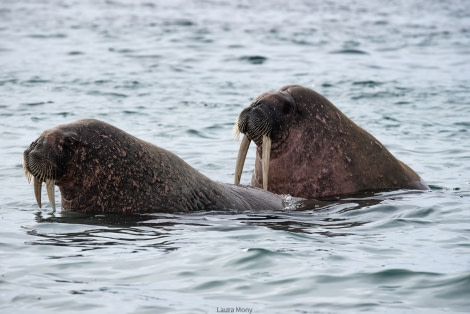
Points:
(70, 142)
(287, 107)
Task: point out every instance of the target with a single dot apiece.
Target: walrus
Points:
(308, 148)
(102, 169)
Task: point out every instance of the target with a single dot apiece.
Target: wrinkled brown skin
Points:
(318, 152)
(102, 169)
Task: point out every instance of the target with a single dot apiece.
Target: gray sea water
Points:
(177, 74)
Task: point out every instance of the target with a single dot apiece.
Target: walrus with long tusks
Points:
(306, 147)
(102, 169)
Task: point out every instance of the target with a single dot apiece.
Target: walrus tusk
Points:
(37, 190)
(245, 144)
(266, 157)
(51, 192)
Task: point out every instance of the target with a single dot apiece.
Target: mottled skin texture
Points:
(319, 152)
(102, 169)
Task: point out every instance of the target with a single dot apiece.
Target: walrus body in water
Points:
(306, 147)
(102, 169)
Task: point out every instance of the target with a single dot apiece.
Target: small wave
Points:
(99, 93)
(8, 81)
(196, 133)
(180, 22)
(40, 103)
(368, 83)
(124, 50)
(75, 53)
(46, 36)
(36, 80)
(253, 59)
(150, 57)
(349, 52)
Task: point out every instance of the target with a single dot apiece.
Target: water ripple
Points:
(177, 74)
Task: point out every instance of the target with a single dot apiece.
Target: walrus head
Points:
(48, 158)
(265, 121)
(83, 159)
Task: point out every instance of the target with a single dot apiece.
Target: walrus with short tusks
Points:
(102, 169)
(306, 147)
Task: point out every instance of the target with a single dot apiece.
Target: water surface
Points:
(177, 75)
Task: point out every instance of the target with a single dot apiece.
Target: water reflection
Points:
(93, 232)
(144, 231)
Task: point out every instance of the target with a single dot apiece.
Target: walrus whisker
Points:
(258, 129)
(27, 174)
(245, 144)
(37, 183)
(236, 129)
(266, 158)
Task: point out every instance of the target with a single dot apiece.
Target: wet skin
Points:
(306, 147)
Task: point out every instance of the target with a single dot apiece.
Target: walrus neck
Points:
(281, 144)
(76, 204)
(78, 197)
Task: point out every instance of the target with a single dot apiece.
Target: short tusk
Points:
(266, 158)
(37, 190)
(245, 144)
(51, 192)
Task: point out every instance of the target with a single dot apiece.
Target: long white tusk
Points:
(245, 144)
(51, 192)
(37, 190)
(266, 157)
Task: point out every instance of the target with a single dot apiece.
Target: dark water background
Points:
(177, 75)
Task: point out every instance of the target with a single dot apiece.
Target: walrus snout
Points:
(37, 168)
(254, 123)
(265, 115)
